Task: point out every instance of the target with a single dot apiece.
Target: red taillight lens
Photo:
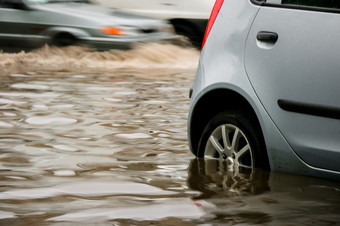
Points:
(213, 15)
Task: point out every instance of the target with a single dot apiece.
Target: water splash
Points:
(76, 58)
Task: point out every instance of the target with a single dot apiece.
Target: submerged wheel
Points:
(230, 136)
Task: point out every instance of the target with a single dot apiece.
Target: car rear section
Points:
(294, 70)
(240, 41)
(221, 83)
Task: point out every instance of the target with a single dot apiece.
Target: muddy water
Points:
(99, 138)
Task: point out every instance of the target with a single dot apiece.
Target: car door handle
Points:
(266, 36)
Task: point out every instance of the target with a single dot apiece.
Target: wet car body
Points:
(34, 23)
(268, 69)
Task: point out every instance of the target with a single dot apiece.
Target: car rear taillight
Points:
(213, 15)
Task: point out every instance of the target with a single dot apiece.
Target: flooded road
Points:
(99, 138)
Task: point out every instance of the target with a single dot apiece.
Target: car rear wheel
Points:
(232, 137)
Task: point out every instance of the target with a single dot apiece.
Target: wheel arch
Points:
(192, 28)
(184, 22)
(210, 104)
(75, 32)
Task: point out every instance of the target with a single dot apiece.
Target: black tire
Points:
(64, 39)
(195, 37)
(248, 150)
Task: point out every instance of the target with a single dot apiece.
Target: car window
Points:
(332, 4)
(11, 4)
(17, 4)
(37, 1)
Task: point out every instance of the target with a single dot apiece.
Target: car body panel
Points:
(302, 66)
(223, 66)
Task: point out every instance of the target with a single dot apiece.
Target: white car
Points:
(27, 24)
(189, 17)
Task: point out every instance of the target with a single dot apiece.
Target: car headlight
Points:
(112, 30)
(121, 31)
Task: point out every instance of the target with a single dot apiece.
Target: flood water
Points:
(99, 138)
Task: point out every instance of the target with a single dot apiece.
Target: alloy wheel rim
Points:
(228, 143)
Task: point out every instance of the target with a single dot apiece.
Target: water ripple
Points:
(29, 86)
(85, 189)
(52, 121)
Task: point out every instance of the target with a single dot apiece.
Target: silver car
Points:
(32, 23)
(267, 88)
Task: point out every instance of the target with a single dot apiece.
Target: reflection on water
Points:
(102, 141)
(261, 197)
(218, 180)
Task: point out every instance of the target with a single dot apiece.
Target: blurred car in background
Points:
(33, 23)
(189, 17)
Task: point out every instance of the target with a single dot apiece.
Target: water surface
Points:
(99, 138)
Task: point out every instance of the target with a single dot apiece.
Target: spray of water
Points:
(77, 58)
